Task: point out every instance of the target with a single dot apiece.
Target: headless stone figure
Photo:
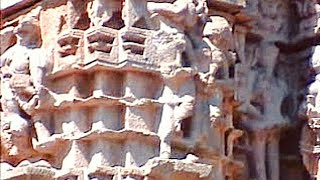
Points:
(178, 104)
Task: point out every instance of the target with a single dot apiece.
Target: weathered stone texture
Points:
(160, 89)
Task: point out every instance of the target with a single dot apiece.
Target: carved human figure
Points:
(260, 96)
(245, 79)
(178, 98)
(253, 79)
(175, 20)
(175, 53)
(23, 69)
(214, 64)
(217, 42)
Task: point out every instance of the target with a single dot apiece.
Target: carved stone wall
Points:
(160, 89)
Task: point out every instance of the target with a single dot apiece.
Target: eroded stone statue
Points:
(178, 98)
(218, 40)
(175, 52)
(23, 69)
(175, 20)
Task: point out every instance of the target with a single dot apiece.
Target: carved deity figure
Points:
(245, 79)
(218, 41)
(214, 74)
(254, 78)
(23, 69)
(178, 98)
(174, 54)
(260, 95)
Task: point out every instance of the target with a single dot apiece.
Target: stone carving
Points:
(105, 13)
(261, 96)
(313, 97)
(310, 137)
(23, 70)
(158, 89)
(179, 90)
(306, 11)
(75, 14)
(217, 41)
(178, 98)
(176, 20)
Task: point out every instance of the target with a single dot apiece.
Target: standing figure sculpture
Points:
(217, 41)
(23, 69)
(214, 75)
(174, 53)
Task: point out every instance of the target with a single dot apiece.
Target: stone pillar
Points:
(316, 154)
(318, 163)
(273, 156)
(259, 155)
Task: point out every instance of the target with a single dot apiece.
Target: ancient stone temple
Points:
(160, 89)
